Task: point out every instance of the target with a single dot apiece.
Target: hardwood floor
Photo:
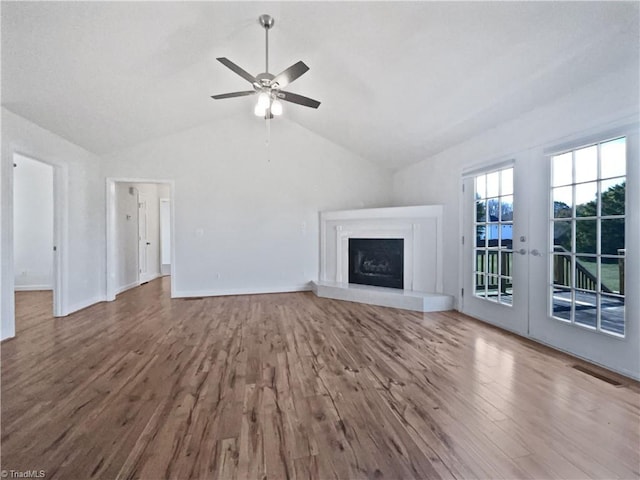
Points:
(287, 386)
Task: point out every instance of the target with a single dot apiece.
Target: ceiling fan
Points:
(267, 86)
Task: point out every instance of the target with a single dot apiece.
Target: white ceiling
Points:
(398, 82)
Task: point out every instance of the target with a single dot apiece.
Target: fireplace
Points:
(377, 261)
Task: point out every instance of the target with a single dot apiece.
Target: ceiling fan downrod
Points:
(267, 22)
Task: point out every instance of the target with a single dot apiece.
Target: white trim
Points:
(150, 277)
(306, 287)
(602, 134)
(124, 288)
(377, 213)
(84, 304)
(32, 288)
(487, 167)
(60, 284)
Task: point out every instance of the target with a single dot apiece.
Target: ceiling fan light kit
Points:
(269, 87)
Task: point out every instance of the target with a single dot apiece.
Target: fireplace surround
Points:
(420, 230)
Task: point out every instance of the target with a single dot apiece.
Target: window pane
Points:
(506, 263)
(563, 202)
(562, 169)
(493, 209)
(507, 181)
(492, 287)
(492, 262)
(506, 290)
(586, 164)
(562, 270)
(481, 211)
(506, 236)
(612, 274)
(506, 208)
(613, 196)
(586, 199)
(481, 188)
(480, 261)
(562, 235)
(586, 274)
(586, 309)
(612, 314)
(588, 262)
(493, 184)
(480, 286)
(481, 235)
(612, 238)
(492, 234)
(613, 156)
(562, 303)
(586, 236)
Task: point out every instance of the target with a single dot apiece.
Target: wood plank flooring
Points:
(291, 386)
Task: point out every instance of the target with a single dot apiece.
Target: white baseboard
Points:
(149, 278)
(31, 288)
(84, 304)
(306, 287)
(126, 287)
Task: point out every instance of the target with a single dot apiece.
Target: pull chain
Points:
(268, 138)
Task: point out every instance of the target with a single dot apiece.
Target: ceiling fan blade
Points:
(233, 94)
(232, 66)
(290, 74)
(299, 99)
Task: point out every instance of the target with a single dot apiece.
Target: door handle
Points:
(522, 251)
(148, 243)
(536, 253)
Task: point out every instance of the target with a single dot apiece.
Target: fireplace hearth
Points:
(377, 262)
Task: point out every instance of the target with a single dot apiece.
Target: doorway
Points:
(551, 248)
(34, 259)
(136, 234)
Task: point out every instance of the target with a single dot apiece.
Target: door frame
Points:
(111, 241)
(60, 240)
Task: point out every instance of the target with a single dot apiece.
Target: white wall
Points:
(82, 246)
(33, 224)
(437, 180)
(246, 217)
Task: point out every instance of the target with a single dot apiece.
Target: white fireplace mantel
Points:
(419, 226)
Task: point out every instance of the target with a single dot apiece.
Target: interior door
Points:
(495, 246)
(143, 241)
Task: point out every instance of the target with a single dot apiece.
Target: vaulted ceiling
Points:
(398, 81)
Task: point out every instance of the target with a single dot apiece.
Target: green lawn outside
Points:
(610, 273)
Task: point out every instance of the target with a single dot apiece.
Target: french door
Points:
(551, 248)
(495, 247)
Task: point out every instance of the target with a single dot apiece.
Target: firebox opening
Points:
(377, 261)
